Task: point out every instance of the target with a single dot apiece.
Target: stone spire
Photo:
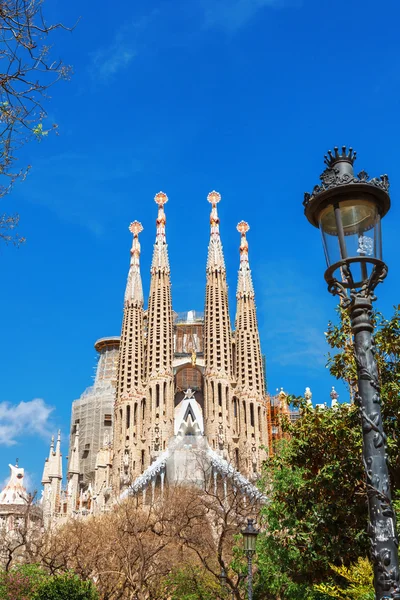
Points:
(217, 337)
(73, 474)
(159, 316)
(51, 480)
(47, 463)
(134, 289)
(55, 466)
(159, 410)
(215, 260)
(129, 392)
(245, 282)
(249, 365)
(74, 458)
(160, 255)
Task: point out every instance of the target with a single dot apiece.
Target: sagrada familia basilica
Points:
(177, 398)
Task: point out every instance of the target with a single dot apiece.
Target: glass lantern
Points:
(351, 229)
(348, 210)
(250, 534)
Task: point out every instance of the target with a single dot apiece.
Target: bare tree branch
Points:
(27, 72)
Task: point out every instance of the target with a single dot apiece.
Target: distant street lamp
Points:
(250, 534)
(224, 584)
(348, 210)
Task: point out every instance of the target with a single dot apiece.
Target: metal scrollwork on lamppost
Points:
(348, 210)
(250, 534)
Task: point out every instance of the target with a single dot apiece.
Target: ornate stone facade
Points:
(187, 385)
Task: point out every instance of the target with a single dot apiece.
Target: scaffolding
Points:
(94, 410)
(189, 316)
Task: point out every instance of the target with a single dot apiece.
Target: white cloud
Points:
(109, 60)
(116, 57)
(24, 419)
(231, 15)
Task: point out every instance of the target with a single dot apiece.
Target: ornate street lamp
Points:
(250, 534)
(348, 210)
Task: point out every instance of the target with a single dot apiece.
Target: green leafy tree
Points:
(192, 583)
(341, 364)
(356, 582)
(20, 582)
(317, 514)
(66, 586)
(32, 582)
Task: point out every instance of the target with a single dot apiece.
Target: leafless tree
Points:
(216, 514)
(131, 551)
(21, 535)
(27, 72)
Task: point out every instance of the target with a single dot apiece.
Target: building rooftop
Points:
(107, 341)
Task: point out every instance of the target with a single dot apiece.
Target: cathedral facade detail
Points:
(172, 388)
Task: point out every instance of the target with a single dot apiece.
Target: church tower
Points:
(73, 475)
(186, 387)
(130, 397)
(249, 404)
(158, 412)
(217, 340)
(51, 480)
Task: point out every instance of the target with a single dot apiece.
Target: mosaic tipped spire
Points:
(215, 260)
(134, 289)
(249, 364)
(245, 283)
(160, 256)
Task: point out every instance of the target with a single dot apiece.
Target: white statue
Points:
(14, 492)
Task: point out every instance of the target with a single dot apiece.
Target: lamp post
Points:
(224, 583)
(348, 209)
(222, 578)
(250, 534)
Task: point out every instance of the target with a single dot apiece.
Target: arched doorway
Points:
(187, 377)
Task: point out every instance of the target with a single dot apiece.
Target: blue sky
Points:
(241, 96)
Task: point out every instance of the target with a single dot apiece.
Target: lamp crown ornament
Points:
(250, 527)
(332, 158)
(340, 174)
